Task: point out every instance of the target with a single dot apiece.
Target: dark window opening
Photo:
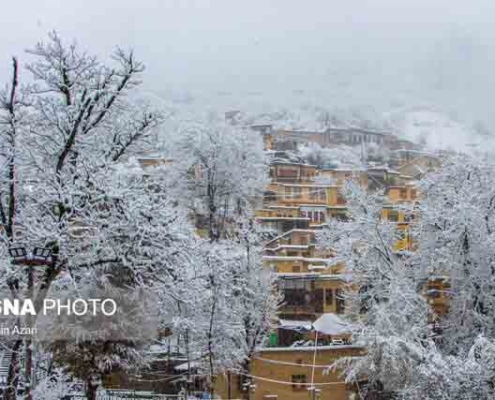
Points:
(298, 382)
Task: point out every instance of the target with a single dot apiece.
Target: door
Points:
(319, 301)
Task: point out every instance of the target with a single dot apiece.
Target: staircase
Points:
(5, 357)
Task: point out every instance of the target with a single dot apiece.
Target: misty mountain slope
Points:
(435, 129)
(410, 118)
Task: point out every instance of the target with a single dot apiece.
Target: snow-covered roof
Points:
(294, 324)
(282, 218)
(343, 168)
(418, 152)
(158, 348)
(360, 130)
(308, 185)
(283, 207)
(313, 275)
(310, 348)
(289, 246)
(331, 324)
(185, 366)
(290, 258)
(317, 267)
(313, 206)
(382, 168)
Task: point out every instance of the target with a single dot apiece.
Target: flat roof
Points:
(311, 348)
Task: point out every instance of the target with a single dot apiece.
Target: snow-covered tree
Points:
(62, 186)
(222, 168)
(456, 236)
(55, 386)
(341, 156)
(375, 152)
(390, 318)
(257, 298)
(443, 376)
(225, 305)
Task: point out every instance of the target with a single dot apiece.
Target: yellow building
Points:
(287, 373)
(302, 205)
(437, 290)
(394, 213)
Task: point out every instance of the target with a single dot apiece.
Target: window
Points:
(329, 297)
(318, 300)
(298, 382)
(340, 198)
(287, 173)
(393, 216)
(316, 216)
(339, 302)
(310, 215)
(403, 193)
(297, 192)
(434, 294)
(296, 268)
(270, 197)
(295, 297)
(294, 292)
(288, 192)
(287, 226)
(322, 194)
(413, 194)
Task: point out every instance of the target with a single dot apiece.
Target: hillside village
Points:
(297, 204)
(299, 201)
(246, 259)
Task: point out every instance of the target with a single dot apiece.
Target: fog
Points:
(383, 56)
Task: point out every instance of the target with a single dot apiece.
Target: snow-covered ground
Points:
(434, 128)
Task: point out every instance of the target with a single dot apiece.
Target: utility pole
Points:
(39, 257)
(29, 341)
(229, 383)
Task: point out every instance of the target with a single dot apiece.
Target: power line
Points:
(290, 363)
(291, 383)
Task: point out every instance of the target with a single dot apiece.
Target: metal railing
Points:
(126, 395)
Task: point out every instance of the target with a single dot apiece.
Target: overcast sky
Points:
(371, 50)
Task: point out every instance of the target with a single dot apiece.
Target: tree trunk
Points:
(90, 390)
(210, 349)
(13, 374)
(28, 343)
(247, 368)
(29, 369)
(212, 209)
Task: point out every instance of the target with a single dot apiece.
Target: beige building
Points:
(286, 373)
